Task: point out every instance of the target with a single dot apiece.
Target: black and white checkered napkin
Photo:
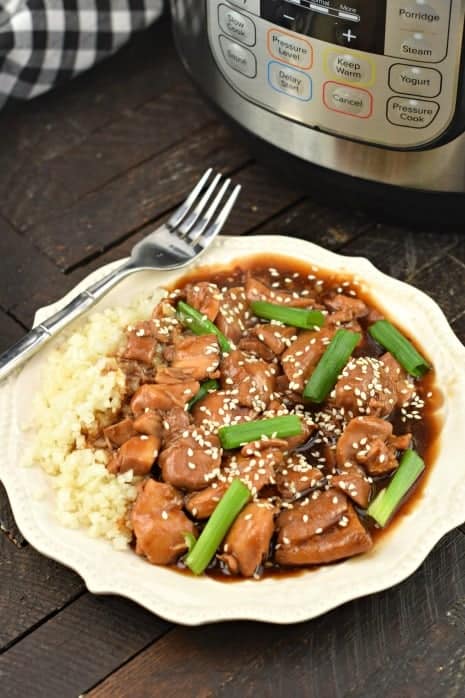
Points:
(44, 42)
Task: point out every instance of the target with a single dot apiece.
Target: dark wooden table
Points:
(84, 172)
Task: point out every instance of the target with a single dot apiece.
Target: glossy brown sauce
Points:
(426, 432)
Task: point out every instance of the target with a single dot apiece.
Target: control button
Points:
(347, 100)
(236, 25)
(347, 35)
(416, 45)
(252, 6)
(411, 113)
(415, 80)
(349, 67)
(238, 57)
(419, 15)
(289, 81)
(290, 49)
(417, 30)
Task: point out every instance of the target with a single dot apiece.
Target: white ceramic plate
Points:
(191, 600)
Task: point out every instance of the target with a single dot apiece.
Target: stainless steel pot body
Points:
(394, 119)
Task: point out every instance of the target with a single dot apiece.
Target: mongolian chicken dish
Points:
(274, 419)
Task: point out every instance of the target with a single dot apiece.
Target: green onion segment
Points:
(200, 324)
(391, 339)
(295, 317)
(228, 508)
(205, 388)
(388, 500)
(331, 364)
(277, 427)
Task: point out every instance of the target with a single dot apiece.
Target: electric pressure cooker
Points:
(363, 97)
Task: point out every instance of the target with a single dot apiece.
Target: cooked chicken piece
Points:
(117, 434)
(204, 297)
(248, 541)
(197, 356)
(201, 505)
(294, 442)
(256, 470)
(354, 483)
(171, 376)
(221, 407)
(278, 409)
(345, 539)
(372, 386)
(254, 448)
(403, 386)
(191, 460)
(137, 454)
(233, 314)
(252, 345)
(344, 308)
(258, 291)
(165, 324)
(163, 396)
(150, 423)
(159, 523)
(297, 476)
(310, 518)
(141, 343)
(276, 337)
(368, 441)
(136, 374)
(300, 359)
(174, 420)
(253, 378)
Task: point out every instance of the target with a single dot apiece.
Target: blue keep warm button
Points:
(290, 81)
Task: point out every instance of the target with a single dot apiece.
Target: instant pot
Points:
(362, 99)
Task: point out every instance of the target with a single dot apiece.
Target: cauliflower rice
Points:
(82, 389)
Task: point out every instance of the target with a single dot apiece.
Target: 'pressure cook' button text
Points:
(412, 113)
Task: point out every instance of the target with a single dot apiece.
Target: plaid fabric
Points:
(44, 42)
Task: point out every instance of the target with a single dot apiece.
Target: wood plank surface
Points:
(401, 252)
(8, 526)
(109, 152)
(140, 195)
(29, 279)
(326, 657)
(32, 588)
(46, 128)
(78, 647)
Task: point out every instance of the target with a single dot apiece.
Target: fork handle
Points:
(26, 347)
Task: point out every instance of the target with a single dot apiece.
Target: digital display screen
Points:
(357, 24)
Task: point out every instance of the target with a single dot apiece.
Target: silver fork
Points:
(188, 232)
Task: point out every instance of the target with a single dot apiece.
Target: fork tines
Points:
(191, 223)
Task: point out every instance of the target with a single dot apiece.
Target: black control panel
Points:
(358, 24)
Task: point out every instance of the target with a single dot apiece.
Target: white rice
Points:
(82, 389)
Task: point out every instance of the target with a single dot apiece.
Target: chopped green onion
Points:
(296, 317)
(190, 540)
(331, 364)
(228, 508)
(386, 502)
(277, 427)
(391, 339)
(205, 388)
(200, 324)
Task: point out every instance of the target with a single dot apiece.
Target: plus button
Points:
(349, 36)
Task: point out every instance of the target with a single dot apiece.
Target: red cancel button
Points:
(347, 100)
